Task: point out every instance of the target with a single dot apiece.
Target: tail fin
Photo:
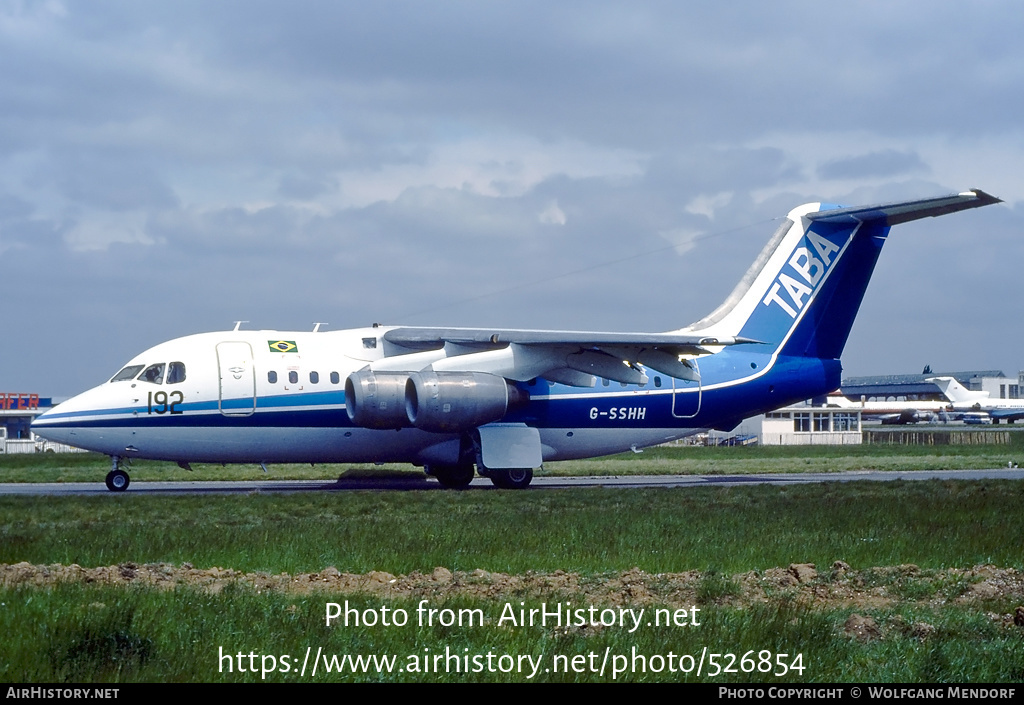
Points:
(956, 392)
(805, 288)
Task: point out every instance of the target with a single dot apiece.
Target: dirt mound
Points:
(838, 587)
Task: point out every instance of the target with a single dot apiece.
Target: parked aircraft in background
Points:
(498, 401)
(967, 401)
(893, 412)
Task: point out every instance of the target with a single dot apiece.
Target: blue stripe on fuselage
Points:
(201, 409)
(734, 379)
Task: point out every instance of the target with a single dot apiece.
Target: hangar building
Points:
(915, 388)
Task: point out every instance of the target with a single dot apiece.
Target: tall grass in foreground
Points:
(729, 529)
(81, 634)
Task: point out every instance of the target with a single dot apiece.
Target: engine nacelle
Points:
(376, 399)
(452, 402)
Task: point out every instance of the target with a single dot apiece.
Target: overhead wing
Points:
(425, 338)
(570, 357)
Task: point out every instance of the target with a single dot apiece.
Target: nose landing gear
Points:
(117, 479)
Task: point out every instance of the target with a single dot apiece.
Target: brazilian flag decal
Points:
(283, 346)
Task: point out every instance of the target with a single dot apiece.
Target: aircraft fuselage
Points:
(241, 400)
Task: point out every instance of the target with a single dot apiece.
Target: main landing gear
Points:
(512, 478)
(117, 479)
(453, 477)
(458, 477)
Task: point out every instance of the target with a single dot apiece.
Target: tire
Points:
(117, 480)
(512, 479)
(453, 477)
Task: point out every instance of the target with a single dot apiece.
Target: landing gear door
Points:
(237, 379)
(510, 446)
(686, 396)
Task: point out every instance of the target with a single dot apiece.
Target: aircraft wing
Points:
(570, 357)
(427, 338)
(894, 419)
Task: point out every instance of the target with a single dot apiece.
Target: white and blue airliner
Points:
(498, 402)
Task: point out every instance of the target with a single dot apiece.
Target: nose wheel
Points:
(117, 479)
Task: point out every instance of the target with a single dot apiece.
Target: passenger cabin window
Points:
(335, 378)
(127, 373)
(314, 377)
(153, 374)
(176, 373)
(272, 377)
(293, 377)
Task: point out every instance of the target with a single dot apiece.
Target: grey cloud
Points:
(885, 163)
(232, 232)
(12, 207)
(110, 182)
(304, 186)
(18, 225)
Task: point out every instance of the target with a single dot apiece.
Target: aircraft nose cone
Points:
(40, 422)
(84, 421)
(60, 423)
(43, 427)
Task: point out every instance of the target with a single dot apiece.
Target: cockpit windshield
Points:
(176, 373)
(127, 373)
(154, 374)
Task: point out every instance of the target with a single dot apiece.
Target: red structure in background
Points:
(18, 400)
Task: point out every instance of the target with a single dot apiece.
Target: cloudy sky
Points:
(169, 168)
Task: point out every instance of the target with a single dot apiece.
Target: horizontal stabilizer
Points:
(905, 211)
(803, 291)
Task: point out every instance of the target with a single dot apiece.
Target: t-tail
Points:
(955, 392)
(803, 292)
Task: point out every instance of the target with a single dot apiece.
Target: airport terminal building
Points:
(820, 422)
(915, 388)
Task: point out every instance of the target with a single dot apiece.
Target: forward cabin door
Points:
(237, 379)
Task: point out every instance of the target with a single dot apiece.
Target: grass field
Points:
(77, 632)
(733, 529)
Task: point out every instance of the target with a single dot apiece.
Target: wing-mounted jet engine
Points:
(438, 402)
